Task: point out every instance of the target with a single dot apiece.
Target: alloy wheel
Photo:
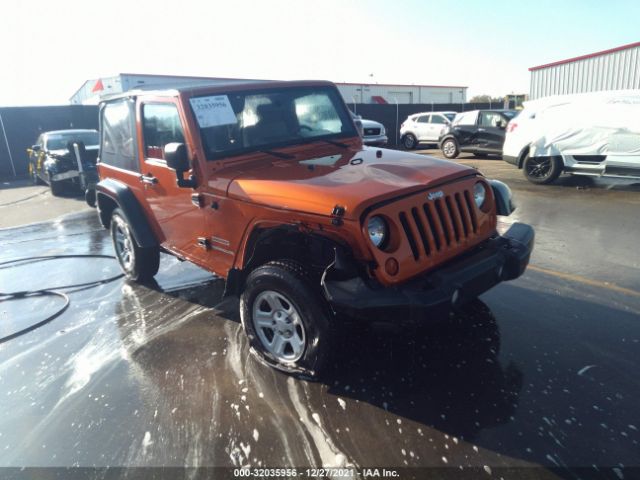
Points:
(279, 326)
(539, 167)
(123, 246)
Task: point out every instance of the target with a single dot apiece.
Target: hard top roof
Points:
(192, 90)
(69, 131)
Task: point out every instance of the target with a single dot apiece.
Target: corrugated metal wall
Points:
(618, 70)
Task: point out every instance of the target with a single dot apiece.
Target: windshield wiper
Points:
(284, 156)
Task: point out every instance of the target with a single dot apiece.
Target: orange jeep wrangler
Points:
(269, 186)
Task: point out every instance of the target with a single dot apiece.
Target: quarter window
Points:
(161, 124)
(118, 142)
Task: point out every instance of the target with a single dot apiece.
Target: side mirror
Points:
(36, 148)
(176, 156)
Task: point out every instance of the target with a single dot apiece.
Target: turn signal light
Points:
(391, 266)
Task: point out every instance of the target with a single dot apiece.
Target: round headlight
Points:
(378, 231)
(479, 194)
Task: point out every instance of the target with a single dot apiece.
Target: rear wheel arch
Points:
(110, 195)
(523, 155)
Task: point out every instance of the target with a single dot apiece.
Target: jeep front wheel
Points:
(139, 264)
(286, 320)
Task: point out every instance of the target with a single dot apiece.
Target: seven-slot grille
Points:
(437, 225)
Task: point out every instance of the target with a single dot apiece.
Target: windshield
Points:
(509, 114)
(245, 121)
(450, 116)
(59, 141)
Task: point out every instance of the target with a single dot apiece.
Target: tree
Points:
(486, 99)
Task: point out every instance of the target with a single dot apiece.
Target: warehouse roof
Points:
(584, 57)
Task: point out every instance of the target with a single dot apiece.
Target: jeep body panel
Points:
(321, 189)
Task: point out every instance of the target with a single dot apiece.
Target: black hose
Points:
(53, 291)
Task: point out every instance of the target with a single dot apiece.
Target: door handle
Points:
(149, 179)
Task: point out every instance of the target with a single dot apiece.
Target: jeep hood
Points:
(352, 179)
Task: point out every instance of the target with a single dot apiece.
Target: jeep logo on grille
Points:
(435, 195)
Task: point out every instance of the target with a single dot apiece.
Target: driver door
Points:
(181, 220)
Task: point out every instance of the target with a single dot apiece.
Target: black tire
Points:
(290, 281)
(541, 170)
(56, 187)
(138, 264)
(409, 141)
(450, 148)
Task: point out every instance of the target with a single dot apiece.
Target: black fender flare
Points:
(503, 196)
(124, 198)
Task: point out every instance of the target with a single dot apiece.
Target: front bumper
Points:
(498, 259)
(375, 140)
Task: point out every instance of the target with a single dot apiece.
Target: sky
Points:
(49, 48)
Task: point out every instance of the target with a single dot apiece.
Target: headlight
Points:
(479, 194)
(382, 131)
(378, 231)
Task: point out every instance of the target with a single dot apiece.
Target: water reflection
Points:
(208, 402)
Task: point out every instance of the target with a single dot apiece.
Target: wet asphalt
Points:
(541, 371)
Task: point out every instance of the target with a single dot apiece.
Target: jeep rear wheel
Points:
(450, 148)
(139, 264)
(286, 320)
(541, 170)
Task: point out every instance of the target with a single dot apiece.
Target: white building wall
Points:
(363, 93)
(619, 70)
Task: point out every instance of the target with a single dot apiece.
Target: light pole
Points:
(353, 97)
(396, 100)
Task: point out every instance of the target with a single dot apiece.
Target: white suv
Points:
(594, 134)
(424, 127)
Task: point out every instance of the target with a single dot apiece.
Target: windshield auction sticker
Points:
(213, 111)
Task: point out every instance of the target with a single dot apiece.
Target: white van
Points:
(596, 134)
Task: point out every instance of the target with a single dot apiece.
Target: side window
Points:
(161, 125)
(423, 119)
(490, 119)
(437, 119)
(118, 141)
(466, 118)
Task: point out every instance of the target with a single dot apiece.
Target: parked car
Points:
(480, 132)
(424, 128)
(373, 133)
(54, 159)
(594, 134)
(269, 186)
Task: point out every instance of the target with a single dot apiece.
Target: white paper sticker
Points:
(213, 111)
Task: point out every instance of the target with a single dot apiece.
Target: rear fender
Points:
(111, 194)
